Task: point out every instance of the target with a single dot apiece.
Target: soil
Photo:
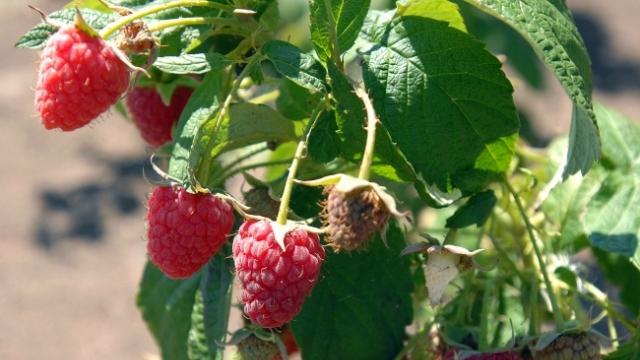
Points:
(72, 242)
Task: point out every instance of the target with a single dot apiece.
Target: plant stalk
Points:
(283, 210)
(369, 148)
(204, 171)
(125, 20)
(164, 24)
(557, 315)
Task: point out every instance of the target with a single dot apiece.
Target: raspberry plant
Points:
(397, 214)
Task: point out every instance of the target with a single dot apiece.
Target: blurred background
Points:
(72, 205)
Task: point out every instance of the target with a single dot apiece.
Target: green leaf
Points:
(347, 16)
(474, 212)
(601, 206)
(356, 314)
(550, 29)
(442, 10)
(210, 315)
(446, 103)
(202, 105)
(166, 308)
(190, 63)
(88, 4)
(324, 144)
(628, 351)
(245, 124)
(38, 35)
(296, 102)
(389, 161)
(621, 272)
(297, 66)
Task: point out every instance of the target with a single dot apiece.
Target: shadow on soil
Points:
(79, 213)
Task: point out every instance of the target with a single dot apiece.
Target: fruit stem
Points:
(597, 296)
(335, 47)
(125, 20)
(160, 25)
(283, 210)
(369, 148)
(557, 315)
(204, 171)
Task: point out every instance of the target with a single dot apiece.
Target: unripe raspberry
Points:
(153, 118)
(254, 348)
(353, 218)
(581, 346)
(185, 229)
(274, 282)
(500, 355)
(79, 78)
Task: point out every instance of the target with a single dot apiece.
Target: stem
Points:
(600, 298)
(266, 97)
(536, 248)
(335, 48)
(283, 210)
(123, 21)
(204, 171)
(369, 148)
(164, 24)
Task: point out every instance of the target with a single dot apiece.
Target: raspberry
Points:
(582, 345)
(254, 348)
(274, 282)
(185, 229)
(261, 203)
(80, 77)
(501, 355)
(353, 218)
(153, 118)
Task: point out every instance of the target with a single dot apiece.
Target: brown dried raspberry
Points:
(571, 346)
(353, 218)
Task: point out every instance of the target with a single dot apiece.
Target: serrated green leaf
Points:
(389, 162)
(38, 36)
(202, 105)
(474, 212)
(245, 124)
(550, 29)
(347, 16)
(210, 316)
(166, 307)
(297, 66)
(296, 102)
(190, 63)
(446, 103)
(601, 206)
(356, 314)
(324, 144)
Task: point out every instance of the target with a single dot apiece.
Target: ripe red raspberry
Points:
(153, 118)
(275, 283)
(79, 78)
(185, 229)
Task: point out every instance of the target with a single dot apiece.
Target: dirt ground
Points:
(72, 205)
